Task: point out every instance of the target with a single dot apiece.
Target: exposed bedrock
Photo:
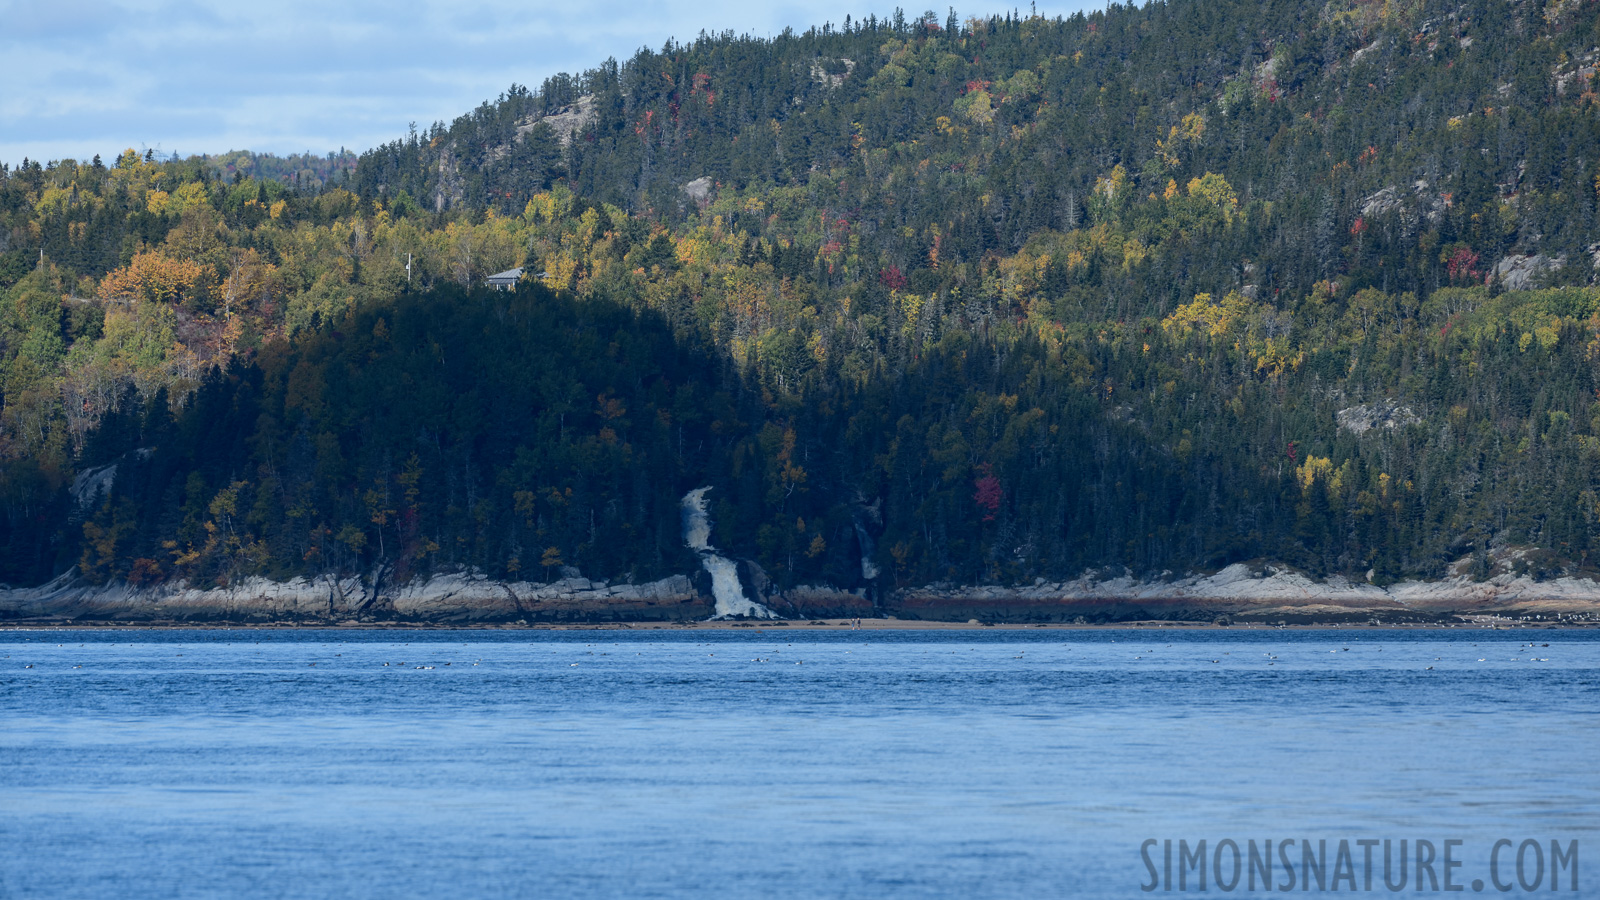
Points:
(1238, 592)
(449, 598)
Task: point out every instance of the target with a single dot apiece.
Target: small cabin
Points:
(505, 281)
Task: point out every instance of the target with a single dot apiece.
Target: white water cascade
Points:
(725, 587)
(869, 569)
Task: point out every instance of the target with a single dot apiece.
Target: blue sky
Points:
(83, 77)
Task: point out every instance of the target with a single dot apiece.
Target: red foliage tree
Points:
(893, 278)
(1462, 265)
(989, 493)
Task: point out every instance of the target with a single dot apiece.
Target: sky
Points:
(86, 77)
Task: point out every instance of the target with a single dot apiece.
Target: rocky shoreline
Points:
(1268, 594)
(1239, 593)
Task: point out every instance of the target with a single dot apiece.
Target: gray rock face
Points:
(457, 597)
(252, 598)
(1267, 71)
(1242, 590)
(91, 484)
(807, 601)
(472, 597)
(699, 190)
(1366, 51)
(451, 185)
(1265, 593)
(1520, 273)
(1381, 202)
(819, 73)
(1367, 416)
(1574, 74)
(1422, 198)
(566, 122)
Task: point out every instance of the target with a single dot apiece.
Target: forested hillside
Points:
(925, 300)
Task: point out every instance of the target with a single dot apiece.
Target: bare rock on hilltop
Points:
(1387, 415)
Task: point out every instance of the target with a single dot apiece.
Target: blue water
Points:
(778, 763)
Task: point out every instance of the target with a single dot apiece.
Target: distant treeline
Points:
(306, 171)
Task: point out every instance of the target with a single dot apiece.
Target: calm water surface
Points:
(198, 763)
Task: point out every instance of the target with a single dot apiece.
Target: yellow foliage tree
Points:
(1205, 316)
(1215, 190)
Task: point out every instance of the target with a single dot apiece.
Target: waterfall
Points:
(725, 587)
(869, 569)
(696, 524)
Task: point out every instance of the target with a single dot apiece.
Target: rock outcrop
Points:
(1422, 198)
(808, 602)
(91, 485)
(565, 123)
(449, 598)
(1387, 415)
(699, 190)
(830, 80)
(1239, 592)
(1521, 273)
(1244, 593)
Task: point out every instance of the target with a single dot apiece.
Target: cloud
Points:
(203, 76)
(68, 21)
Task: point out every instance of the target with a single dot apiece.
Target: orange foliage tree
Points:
(158, 278)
